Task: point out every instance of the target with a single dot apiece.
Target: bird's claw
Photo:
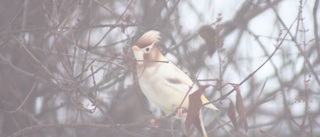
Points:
(181, 112)
(154, 123)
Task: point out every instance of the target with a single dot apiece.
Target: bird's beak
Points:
(135, 48)
(138, 54)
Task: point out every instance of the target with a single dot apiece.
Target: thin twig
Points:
(25, 99)
(254, 72)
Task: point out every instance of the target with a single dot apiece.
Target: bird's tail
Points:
(211, 106)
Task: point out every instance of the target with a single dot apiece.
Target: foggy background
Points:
(66, 66)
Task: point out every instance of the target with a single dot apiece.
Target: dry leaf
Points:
(240, 107)
(195, 104)
(232, 115)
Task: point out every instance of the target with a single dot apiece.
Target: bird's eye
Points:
(147, 49)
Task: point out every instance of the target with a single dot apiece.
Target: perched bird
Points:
(162, 82)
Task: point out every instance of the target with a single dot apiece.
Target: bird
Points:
(162, 82)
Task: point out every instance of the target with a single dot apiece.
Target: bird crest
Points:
(148, 38)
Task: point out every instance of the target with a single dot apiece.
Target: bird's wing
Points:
(175, 78)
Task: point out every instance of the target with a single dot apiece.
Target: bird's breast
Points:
(154, 87)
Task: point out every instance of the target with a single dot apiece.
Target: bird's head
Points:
(145, 48)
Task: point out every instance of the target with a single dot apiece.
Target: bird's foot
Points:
(154, 123)
(181, 112)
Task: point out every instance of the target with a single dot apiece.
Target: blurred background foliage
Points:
(66, 66)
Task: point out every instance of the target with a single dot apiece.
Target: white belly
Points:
(166, 98)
